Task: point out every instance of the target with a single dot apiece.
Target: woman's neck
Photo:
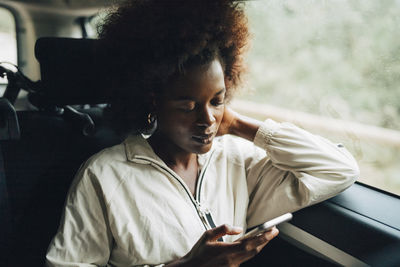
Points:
(172, 155)
(180, 161)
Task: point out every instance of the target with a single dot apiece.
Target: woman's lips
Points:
(203, 138)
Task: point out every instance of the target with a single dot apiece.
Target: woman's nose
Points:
(206, 117)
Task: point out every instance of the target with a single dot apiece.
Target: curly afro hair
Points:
(147, 42)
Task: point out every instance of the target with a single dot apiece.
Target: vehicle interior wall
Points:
(35, 19)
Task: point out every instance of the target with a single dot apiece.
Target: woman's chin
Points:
(202, 148)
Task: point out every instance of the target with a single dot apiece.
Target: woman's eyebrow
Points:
(221, 91)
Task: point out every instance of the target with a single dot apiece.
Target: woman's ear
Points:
(151, 116)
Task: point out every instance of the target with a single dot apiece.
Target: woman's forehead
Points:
(208, 78)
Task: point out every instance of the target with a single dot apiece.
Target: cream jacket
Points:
(126, 207)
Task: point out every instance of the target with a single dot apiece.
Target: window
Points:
(332, 67)
(94, 22)
(8, 41)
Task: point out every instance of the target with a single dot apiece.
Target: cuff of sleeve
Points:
(265, 133)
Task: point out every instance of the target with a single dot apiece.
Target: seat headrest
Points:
(71, 71)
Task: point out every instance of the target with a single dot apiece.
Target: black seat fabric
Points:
(39, 169)
(41, 165)
(9, 130)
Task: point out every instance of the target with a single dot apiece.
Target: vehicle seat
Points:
(9, 130)
(68, 127)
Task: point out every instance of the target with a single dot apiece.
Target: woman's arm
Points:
(84, 237)
(295, 170)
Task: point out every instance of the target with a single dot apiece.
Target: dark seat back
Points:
(9, 130)
(41, 165)
(76, 68)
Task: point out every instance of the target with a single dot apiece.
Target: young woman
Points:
(184, 195)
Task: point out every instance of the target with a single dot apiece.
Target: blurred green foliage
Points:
(330, 57)
(334, 58)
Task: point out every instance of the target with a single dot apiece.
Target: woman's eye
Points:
(217, 102)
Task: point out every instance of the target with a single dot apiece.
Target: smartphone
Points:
(267, 226)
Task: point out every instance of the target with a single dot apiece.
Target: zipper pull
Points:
(203, 214)
(202, 209)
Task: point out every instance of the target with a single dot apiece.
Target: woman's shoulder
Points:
(114, 160)
(104, 166)
(107, 156)
(103, 171)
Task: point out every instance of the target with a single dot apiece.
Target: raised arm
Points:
(298, 169)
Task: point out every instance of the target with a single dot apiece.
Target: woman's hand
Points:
(210, 252)
(228, 121)
(239, 125)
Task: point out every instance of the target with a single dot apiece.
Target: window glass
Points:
(94, 22)
(332, 67)
(8, 41)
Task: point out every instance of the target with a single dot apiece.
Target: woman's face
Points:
(191, 111)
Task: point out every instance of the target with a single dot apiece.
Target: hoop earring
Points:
(151, 118)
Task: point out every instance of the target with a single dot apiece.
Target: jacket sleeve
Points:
(84, 237)
(298, 169)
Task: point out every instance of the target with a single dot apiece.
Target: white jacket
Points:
(126, 207)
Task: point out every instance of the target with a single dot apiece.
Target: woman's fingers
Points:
(217, 232)
(228, 119)
(208, 252)
(269, 236)
(248, 248)
(263, 238)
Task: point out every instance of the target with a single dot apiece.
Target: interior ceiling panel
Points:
(69, 3)
(74, 3)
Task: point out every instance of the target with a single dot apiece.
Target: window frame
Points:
(14, 14)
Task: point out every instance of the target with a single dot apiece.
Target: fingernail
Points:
(276, 232)
(237, 228)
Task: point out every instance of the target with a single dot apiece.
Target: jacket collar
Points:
(136, 146)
